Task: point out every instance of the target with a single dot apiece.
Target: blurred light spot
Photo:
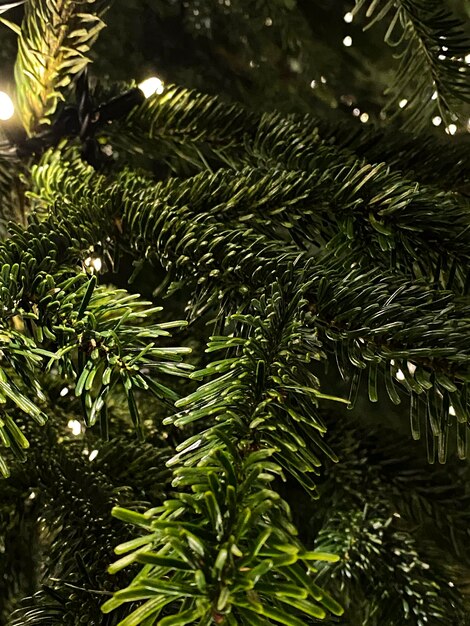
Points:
(451, 410)
(348, 17)
(347, 41)
(93, 455)
(356, 112)
(151, 86)
(451, 129)
(268, 21)
(313, 84)
(436, 120)
(399, 375)
(364, 118)
(64, 391)
(402, 104)
(75, 427)
(6, 106)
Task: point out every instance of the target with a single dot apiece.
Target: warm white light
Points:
(6, 106)
(93, 455)
(467, 59)
(436, 120)
(451, 410)
(313, 84)
(64, 391)
(75, 427)
(400, 375)
(347, 41)
(97, 263)
(151, 86)
(364, 118)
(323, 80)
(268, 21)
(434, 96)
(348, 17)
(402, 104)
(411, 367)
(356, 112)
(451, 129)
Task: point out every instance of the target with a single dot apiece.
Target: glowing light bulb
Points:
(348, 17)
(313, 84)
(451, 129)
(64, 391)
(151, 86)
(436, 120)
(347, 41)
(93, 455)
(402, 104)
(6, 106)
(97, 263)
(451, 410)
(364, 118)
(399, 375)
(356, 112)
(467, 59)
(75, 427)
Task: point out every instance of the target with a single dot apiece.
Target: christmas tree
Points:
(235, 315)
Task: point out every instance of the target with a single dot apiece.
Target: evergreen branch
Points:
(405, 322)
(431, 44)
(55, 39)
(367, 511)
(225, 549)
(93, 337)
(210, 133)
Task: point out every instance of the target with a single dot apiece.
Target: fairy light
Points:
(364, 118)
(313, 84)
(451, 129)
(348, 17)
(436, 120)
(452, 410)
(6, 106)
(151, 86)
(467, 59)
(75, 427)
(402, 104)
(268, 21)
(434, 96)
(356, 112)
(64, 391)
(93, 455)
(347, 41)
(400, 375)
(95, 263)
(411, 367)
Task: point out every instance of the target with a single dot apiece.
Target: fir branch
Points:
(431, 44)
(225, 548)
(55, 39)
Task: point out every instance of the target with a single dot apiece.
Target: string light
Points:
(93, 455)
(451, 129)
(364, 118)
(411, 367)
(434, 96)
(402, 104)
(451, 410)
(356, 112)
(96, 263)
(75, 427)
(400, 375)
(151, 86)
(347, 41)
(313, 84)
(348, 17)
(467, 59)
(64, 391)
(436, 120)
(268, 21)
(6, 106)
